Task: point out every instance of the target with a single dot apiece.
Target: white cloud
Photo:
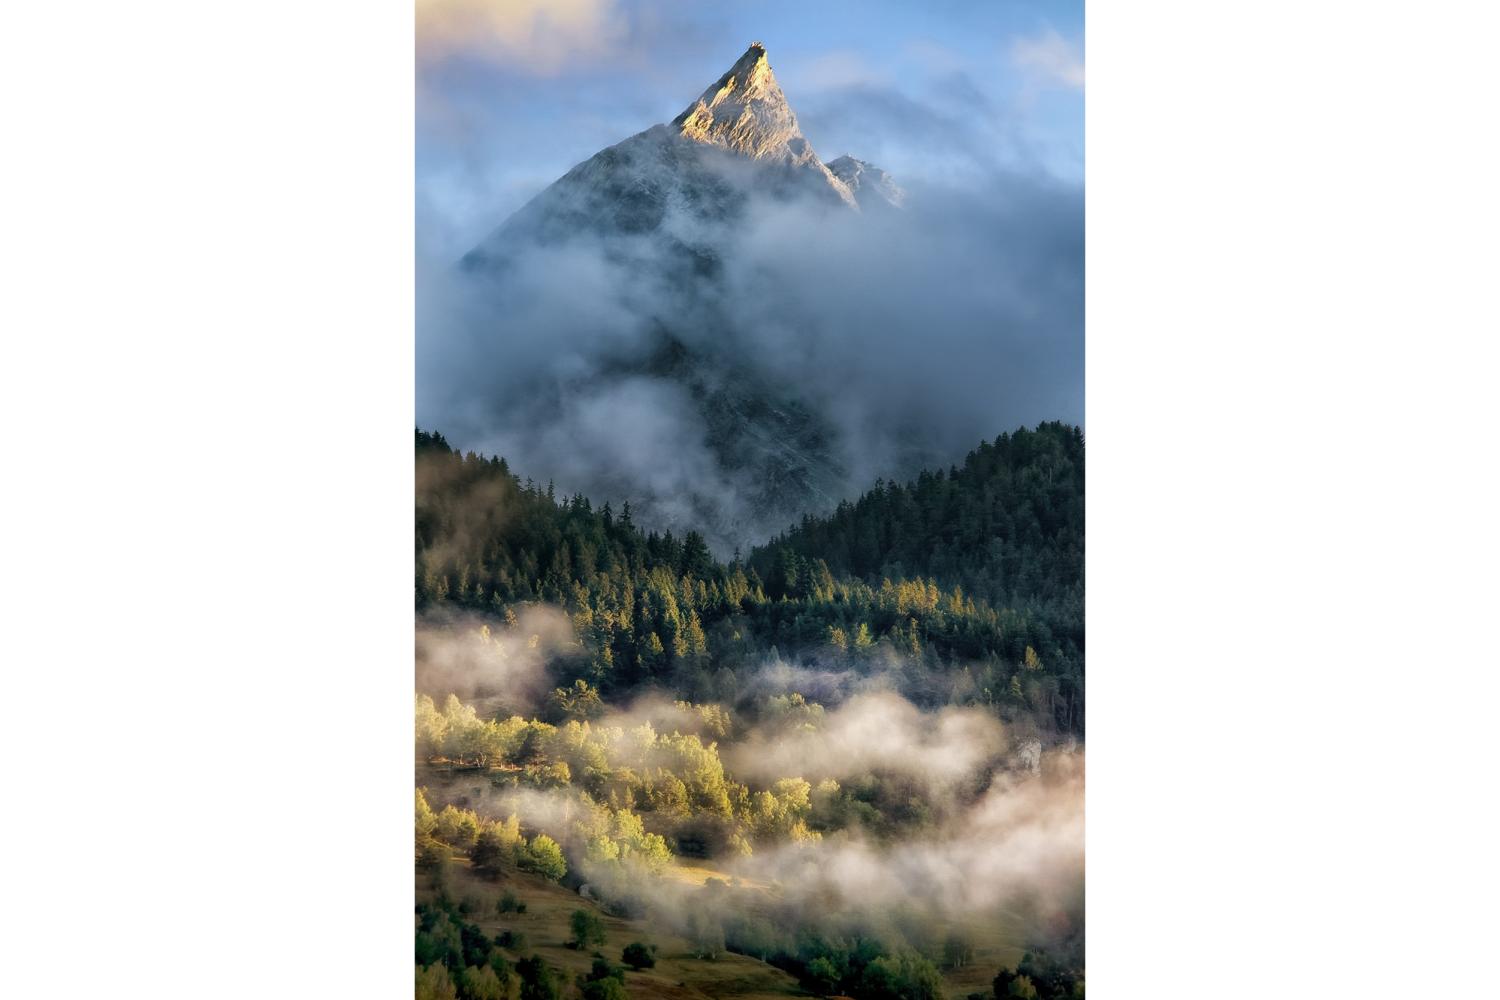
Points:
(840, 68)
(1049, 58)
(535, 36)
(934, 56)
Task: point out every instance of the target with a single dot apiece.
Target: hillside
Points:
(544, 928)
(905, 571)
(1005, 528)
(1006, 525)
(541, 926)
(801, 767)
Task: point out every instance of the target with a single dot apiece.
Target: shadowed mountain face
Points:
(663, 214)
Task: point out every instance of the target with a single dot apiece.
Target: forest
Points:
(863, 740)
(971, 577)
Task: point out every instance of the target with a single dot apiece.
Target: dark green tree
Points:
(587, 929)
(639, 955)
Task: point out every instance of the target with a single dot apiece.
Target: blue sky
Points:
(512, 93)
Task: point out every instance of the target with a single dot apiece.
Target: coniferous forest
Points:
(973, 576)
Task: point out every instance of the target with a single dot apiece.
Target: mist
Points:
(1004, 817)
(875, 732)
(898, 339)
(498, 669)
(1023, 839)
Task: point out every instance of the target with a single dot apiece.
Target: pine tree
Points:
(655, 657)
(697, 643)
(862, 637)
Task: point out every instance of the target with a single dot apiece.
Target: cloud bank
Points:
(876, 732)
(852, 345)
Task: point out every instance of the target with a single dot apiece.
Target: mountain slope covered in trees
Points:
(971, 579)
(923, 614)
(1007, 525)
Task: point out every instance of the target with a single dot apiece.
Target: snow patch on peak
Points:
(866, 178)
(745, 111)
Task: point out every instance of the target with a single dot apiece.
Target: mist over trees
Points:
(867, 725)
(972, 578)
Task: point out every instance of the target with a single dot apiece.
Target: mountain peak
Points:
(631, 187)
(745, 111)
